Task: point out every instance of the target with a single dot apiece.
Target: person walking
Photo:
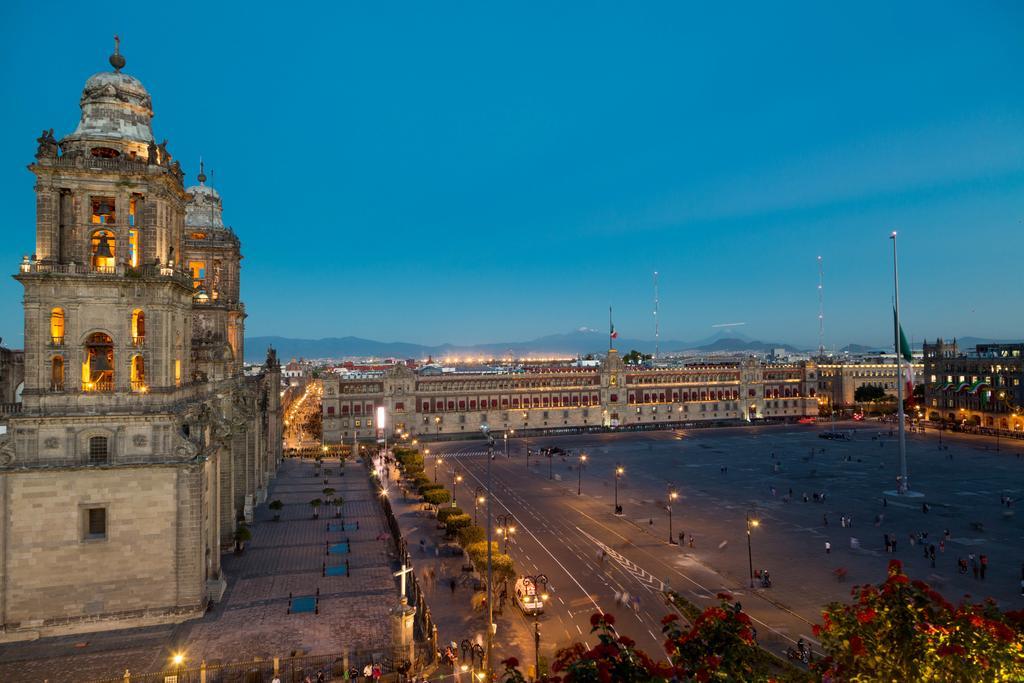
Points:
(451, 584)
(931, 554)
(828, 548)
(887, 547)
(983, 566)
(974, 564)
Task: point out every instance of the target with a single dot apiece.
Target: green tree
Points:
(276, 506)
(868, 394)
(437, 497)
(634, 357)
(315, 504)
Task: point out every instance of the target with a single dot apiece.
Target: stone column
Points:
(402, 641)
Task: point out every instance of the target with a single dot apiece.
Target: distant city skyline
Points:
(477, 174)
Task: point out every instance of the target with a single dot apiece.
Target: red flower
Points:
(595, 619)
(866, 616)
(669, 618)
(895, 567)
(609, 619)
(898, 578)
(857, 646)
(816, 630)
(724, 596)
(976, 621)
(510, 663)
(627, 641)
(714, 661)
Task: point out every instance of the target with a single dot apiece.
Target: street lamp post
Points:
(456, 479)
(672, 495)
(537, 581)
(508, 433)
(477, 499)
(506, 528)
(579, 483)
(619, 471)
(752, 522)
(488, 668)
(551, 465)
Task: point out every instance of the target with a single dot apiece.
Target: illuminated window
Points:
(102, 249)
(138, 327)
(177, 372)
(103, 210)
(198, 269)
(133, 247)
(57, 326)
(138, 374)
(57, 373)
(98, 363)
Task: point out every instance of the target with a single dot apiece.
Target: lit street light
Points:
(506, 528)
(752, 522)
(672, 495)
(478, 498)
(579, 483)
(456, 479)
(619, 471)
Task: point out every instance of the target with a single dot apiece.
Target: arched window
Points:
(57, 373)
(138, 327)
(139, 374)
(98, 363)
(57, 326)
(98, 454)
(102, 250)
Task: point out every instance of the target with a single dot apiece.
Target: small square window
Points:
(94, 523)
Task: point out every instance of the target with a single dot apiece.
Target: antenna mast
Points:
(821, 308)
(656, 337)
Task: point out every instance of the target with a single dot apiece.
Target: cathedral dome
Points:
(115, 108)
(204, 210)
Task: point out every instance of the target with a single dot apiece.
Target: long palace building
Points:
(548, 398)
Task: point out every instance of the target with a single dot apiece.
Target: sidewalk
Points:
(452, 610)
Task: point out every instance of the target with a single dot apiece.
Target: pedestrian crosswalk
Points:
(470, 454)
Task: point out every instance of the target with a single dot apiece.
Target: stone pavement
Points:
(453, 611)
(283, 558)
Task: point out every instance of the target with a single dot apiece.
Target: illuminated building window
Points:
(102, 249)
(57, 373)
(177, 372)
(98, 363)
(133, 247)
(198, 270)
(57, 326)
(138, 327)
(103, 211)
(139, 374)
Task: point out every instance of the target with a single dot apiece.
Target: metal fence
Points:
(289, 670)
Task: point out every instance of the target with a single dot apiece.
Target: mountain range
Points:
(578, 342)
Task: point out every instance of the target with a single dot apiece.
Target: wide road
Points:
(720, 476)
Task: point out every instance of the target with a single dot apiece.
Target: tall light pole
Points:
(456, 479)
(488, 668)
(506, 528)
(619, 471)
(579, 484)
(551, 464)
(536, 582)
(752, 522)
(426, 453)
(672, 495)
(508, 433)
(477, 499)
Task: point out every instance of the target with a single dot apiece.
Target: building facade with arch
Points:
(547, 398)
(140, 444)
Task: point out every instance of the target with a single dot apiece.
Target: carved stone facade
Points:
(547, 399)
(140, 445)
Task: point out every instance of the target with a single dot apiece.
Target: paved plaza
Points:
(721, 475)
(283, 558)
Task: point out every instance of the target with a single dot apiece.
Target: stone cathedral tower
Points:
(140, 444)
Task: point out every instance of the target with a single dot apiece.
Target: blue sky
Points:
(474, 172)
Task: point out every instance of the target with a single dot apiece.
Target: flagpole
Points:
(611, 328)
(904, 486)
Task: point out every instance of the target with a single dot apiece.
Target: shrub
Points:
(437, 497)
(428, 486)
(444, 513)
(456, 522)
(471, 534)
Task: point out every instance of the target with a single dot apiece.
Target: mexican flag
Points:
(614, 334)
(903, 349)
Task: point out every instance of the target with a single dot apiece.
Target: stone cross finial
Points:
(406, 569)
